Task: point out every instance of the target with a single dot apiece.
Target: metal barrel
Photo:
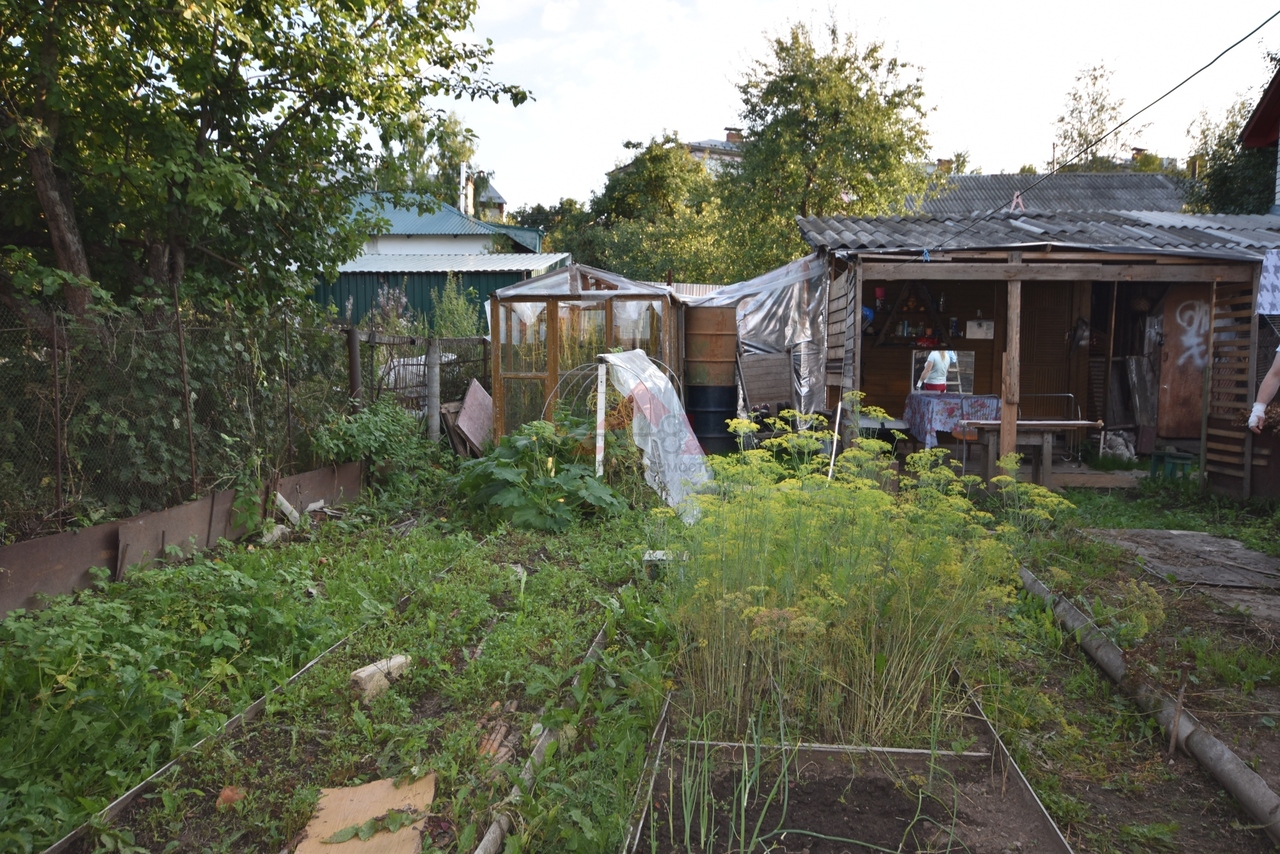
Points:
(710, 375)
(710, 407)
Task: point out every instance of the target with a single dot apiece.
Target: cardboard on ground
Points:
(344, 807)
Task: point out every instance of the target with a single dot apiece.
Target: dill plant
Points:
(835, 610)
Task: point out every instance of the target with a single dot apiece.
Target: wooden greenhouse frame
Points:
(583, 288)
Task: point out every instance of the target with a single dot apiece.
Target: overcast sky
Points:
(995, 74)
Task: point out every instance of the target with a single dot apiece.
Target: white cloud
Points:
(558, 15)
(996, 74)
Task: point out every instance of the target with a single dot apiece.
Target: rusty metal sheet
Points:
(220, 518)
(475, 420)
(53, 565)
(333, 485)
(61, 563)
(146, 539)
(1183, 356)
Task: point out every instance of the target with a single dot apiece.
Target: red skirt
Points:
(935, 386)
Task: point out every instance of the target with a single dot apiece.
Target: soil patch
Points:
(838, 801)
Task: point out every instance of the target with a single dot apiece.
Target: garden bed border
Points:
(640, 808)
(60, 563)
(112, 810)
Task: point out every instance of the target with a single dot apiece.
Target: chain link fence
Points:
(95, 422)
(100, 426)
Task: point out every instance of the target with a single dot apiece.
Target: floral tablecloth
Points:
(928, 412)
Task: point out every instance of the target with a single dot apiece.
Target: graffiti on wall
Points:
(1193, 317)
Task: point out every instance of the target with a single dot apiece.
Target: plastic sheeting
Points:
(674, 464)
(578, 281)
(784, 311)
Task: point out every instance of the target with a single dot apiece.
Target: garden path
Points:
(1222, 568)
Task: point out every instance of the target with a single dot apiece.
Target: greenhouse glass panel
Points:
(522, 337)
(637, 325)
(582, 334)
(522, 402)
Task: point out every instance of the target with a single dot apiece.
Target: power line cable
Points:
(1105, 136)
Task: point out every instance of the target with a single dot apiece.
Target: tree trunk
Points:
(64, 231)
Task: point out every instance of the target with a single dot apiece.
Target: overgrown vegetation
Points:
(834, 610)
(798, 607)
(542, 477)
(261, 390)
(100, 689)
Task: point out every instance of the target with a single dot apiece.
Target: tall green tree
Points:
(662, 180)
(1229, 178)
(424, 155)
(656, 213)
(1091, 111)
(209, 145)
(829, 128)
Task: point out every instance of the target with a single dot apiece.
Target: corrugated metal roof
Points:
(530, 238)
(438, 218)
(1065, 191)
(1232, 237)
(689, 289)
(492, 263)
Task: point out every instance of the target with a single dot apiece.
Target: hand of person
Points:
(1258, 417)
(919, 384)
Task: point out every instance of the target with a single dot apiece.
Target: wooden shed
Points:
(546, 327)
(1106, 312)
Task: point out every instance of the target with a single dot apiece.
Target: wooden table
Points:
(1034, 434)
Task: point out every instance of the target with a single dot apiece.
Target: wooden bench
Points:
(1037, 435)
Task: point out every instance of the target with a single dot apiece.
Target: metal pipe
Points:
(353, 366)
(602, 378)
(186, 389)
(57, 416)
(835, 439)
(433, 389)
(1182, 727)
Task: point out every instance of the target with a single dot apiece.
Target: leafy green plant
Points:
(539, 478)
(388, 437)
(453, 310)
(838, 606)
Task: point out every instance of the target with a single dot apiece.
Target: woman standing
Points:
(934, 375)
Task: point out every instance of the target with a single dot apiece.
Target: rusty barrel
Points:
(710, 375)
(710, 346)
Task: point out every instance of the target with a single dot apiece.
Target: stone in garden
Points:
(373, 679)
(229, 795)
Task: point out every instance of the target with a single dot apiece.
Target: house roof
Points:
(506, 262)
(438, 218)
(721, 147)
(1229, 237)
(1064, 191)
(490, 196)
(1263, 128)
(583, 282)
(529, 238)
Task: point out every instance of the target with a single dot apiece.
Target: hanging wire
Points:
(1096, 143)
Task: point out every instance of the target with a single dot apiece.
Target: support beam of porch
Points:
(1012, 363)
(898, 270)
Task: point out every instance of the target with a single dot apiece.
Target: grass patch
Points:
(480, 634)
(1178, 505)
